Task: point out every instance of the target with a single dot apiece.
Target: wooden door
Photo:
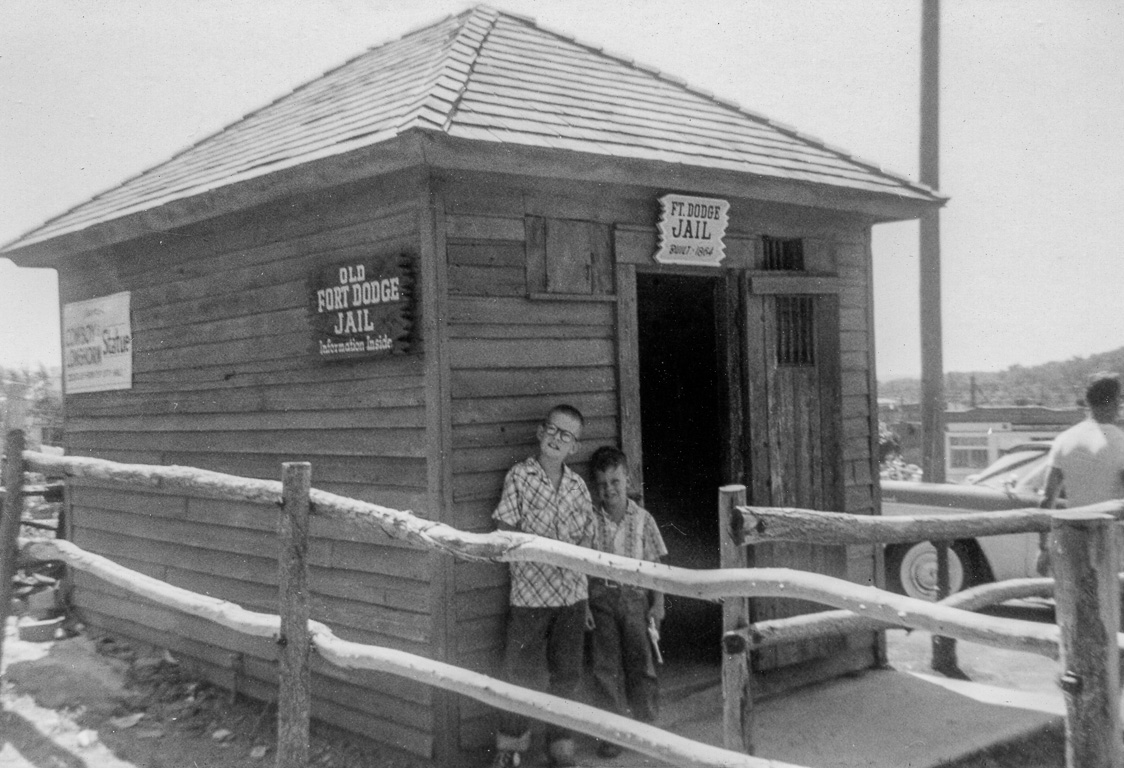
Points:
(794, 441)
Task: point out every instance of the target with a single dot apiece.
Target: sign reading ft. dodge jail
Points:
(363, 308)
(691, 230)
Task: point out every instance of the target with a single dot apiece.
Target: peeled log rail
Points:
(1011, 589)
(521, 547)
(222, 612)
(642, 738)
(809, 626)
(394, 523)
(1000, 592)
(757, 525)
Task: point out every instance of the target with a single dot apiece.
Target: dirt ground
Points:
(82, 702)
(912, 652)
(85, 703)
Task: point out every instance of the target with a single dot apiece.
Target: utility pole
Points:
(932, 362)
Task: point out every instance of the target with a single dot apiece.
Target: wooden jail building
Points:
(394, 271)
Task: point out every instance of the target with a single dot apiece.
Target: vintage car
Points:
(1014, 481)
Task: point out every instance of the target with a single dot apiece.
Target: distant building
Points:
(976, 437)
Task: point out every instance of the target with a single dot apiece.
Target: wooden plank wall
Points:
(225, 378)
(515, 352)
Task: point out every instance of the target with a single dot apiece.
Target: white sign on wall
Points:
(97, 344)
(692, 230)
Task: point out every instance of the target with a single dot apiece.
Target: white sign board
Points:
(691, 230)
(97, 345)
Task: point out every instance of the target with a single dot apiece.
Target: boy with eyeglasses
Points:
(626, 618)
(549, 612)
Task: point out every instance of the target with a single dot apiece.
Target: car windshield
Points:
(1011, 462)
(1032, 477)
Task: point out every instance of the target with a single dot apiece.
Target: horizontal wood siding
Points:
(225, 378)
(512, 356)
(514, 350)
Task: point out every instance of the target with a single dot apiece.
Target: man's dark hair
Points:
(606, 457)
(1103, 389)
(567, 410)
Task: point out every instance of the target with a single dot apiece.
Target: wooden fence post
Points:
(737, 677)
(294, 695)
(1085, 560)
(11, 510)
(944, 648)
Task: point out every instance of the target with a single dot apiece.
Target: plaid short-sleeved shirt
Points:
(636, 535)
(531, 503)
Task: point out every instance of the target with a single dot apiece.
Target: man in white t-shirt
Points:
(1088, 458)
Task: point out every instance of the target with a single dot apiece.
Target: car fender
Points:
(1010, 556)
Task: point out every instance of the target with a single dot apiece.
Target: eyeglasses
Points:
(565, 435)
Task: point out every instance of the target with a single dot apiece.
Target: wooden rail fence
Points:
(1087, 640)
(293, 630)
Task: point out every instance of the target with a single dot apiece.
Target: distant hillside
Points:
(1054, 385)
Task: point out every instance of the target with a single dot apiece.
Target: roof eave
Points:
(436, 149)
(451, 153)
(401, 152)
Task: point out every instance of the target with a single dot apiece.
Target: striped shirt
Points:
(532, 504)
(636, 535)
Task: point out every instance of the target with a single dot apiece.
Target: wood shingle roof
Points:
(489, 76)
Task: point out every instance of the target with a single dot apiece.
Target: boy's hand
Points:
(590, 624)
(656, 609)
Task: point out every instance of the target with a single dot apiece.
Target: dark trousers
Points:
(541, 642)
(624, 670)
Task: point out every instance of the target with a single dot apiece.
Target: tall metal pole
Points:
(932, 362)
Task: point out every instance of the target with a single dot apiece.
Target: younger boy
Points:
(547, 617)
(624, 670)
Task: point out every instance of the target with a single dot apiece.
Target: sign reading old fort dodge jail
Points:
(692, 230)
(363, 308)
(97, 343)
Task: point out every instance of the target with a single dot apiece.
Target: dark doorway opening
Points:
(680, 417)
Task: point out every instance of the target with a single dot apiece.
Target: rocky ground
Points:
(79, 702)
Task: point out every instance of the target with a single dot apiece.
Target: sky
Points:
(1032, 130)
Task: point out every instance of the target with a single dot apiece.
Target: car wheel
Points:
(911, 569)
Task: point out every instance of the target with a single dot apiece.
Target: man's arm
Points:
(1053, 488)
(1049, 498)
